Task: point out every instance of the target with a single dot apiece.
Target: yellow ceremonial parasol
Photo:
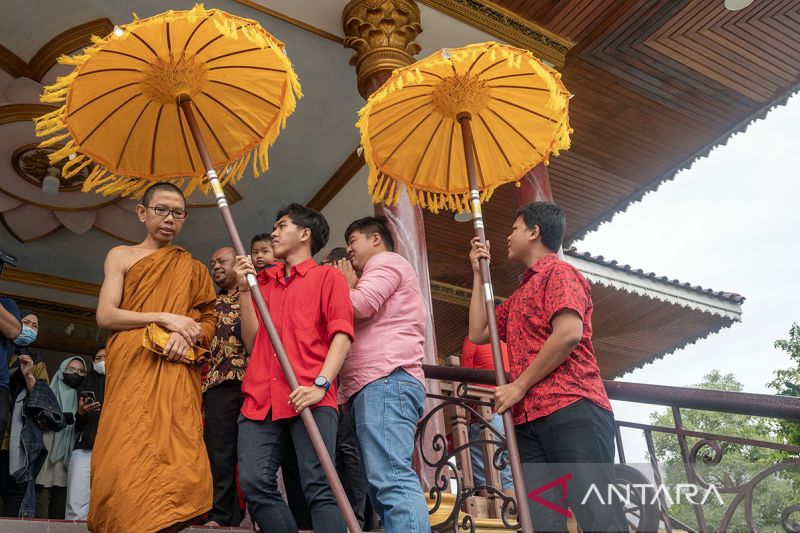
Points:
(410, 132)
(453, 127)
(121, 102)
(131, 106)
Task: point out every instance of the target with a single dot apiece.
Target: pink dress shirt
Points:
(390, 317)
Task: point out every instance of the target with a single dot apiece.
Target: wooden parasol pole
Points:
(261, 305)
(523, 513)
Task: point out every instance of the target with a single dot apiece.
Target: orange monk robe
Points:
(149, 465)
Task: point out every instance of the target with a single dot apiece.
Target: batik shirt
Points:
(228, 359)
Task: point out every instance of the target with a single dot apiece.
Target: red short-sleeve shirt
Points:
(308, 309)
(524, 321)
(480, 356)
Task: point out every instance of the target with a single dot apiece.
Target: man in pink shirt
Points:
(381, 379)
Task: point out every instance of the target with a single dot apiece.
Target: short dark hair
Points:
(550, 219)
(97, 350)
(370, 225)
(305, 217)
(160, 186)
(266, 237)
(340, 252)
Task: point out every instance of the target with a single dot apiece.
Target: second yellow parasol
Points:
(453, 127)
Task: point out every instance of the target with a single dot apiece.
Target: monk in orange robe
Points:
(150, 469)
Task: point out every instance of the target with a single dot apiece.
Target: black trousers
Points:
(5, 409)
(574, 444)
(11, 492)
(51, 502)
(222, 406)
(295, 497)
(262, 447)
(350, 466)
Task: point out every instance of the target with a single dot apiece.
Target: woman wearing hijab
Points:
(51, 483)
(78, 490)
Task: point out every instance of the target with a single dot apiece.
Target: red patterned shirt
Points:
(550, 285)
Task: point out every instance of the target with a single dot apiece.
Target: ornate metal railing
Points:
(456, 498)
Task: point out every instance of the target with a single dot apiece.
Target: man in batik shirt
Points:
(222, 391)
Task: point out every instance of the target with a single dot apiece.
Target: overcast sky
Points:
(731, 222)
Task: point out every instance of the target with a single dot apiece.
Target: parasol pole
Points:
(261, 305)
(523, 513)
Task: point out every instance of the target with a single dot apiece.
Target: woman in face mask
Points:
(90, 399)
(51, 483)
(30, 329)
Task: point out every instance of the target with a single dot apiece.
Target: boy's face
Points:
(288, 238)
(262, 255)
(360, 248)
(162, 229)
(519, 241)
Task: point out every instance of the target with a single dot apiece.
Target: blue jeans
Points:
(478, 474)
(386, 413)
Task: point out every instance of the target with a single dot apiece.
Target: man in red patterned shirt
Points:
(557, 399)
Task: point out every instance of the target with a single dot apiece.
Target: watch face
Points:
(320, 381)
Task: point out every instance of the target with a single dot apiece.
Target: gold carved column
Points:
(383, 33)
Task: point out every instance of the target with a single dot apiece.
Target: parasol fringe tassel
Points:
(53, 140)
(193, 184)
(50, 122)
(73, 167)
(48, 127)
(61, 153)
(57, 92)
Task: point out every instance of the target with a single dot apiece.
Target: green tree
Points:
(787, 382)
(739, 463)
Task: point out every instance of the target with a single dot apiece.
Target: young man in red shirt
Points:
(561, 412)
(310, 306)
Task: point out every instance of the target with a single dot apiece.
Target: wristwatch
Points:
(323, 382)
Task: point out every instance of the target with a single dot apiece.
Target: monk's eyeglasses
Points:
(177, 214)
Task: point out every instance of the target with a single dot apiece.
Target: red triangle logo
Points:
(560, 482)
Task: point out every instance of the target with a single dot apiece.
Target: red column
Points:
(408, 230)
(534, 187)
(382, 34)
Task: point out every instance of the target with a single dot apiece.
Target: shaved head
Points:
(160, 186)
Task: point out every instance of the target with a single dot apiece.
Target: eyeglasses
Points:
(177, 214)
(71, 370)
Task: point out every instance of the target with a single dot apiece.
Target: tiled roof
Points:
(600, 260)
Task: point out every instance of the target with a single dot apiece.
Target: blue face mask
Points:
(25, 337)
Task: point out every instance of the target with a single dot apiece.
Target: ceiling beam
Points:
(12, 63)
(66, 42)
(453, 294)
(337, 181)
(294, 22)
(47, 57)
(507, 26)
(35, 279)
